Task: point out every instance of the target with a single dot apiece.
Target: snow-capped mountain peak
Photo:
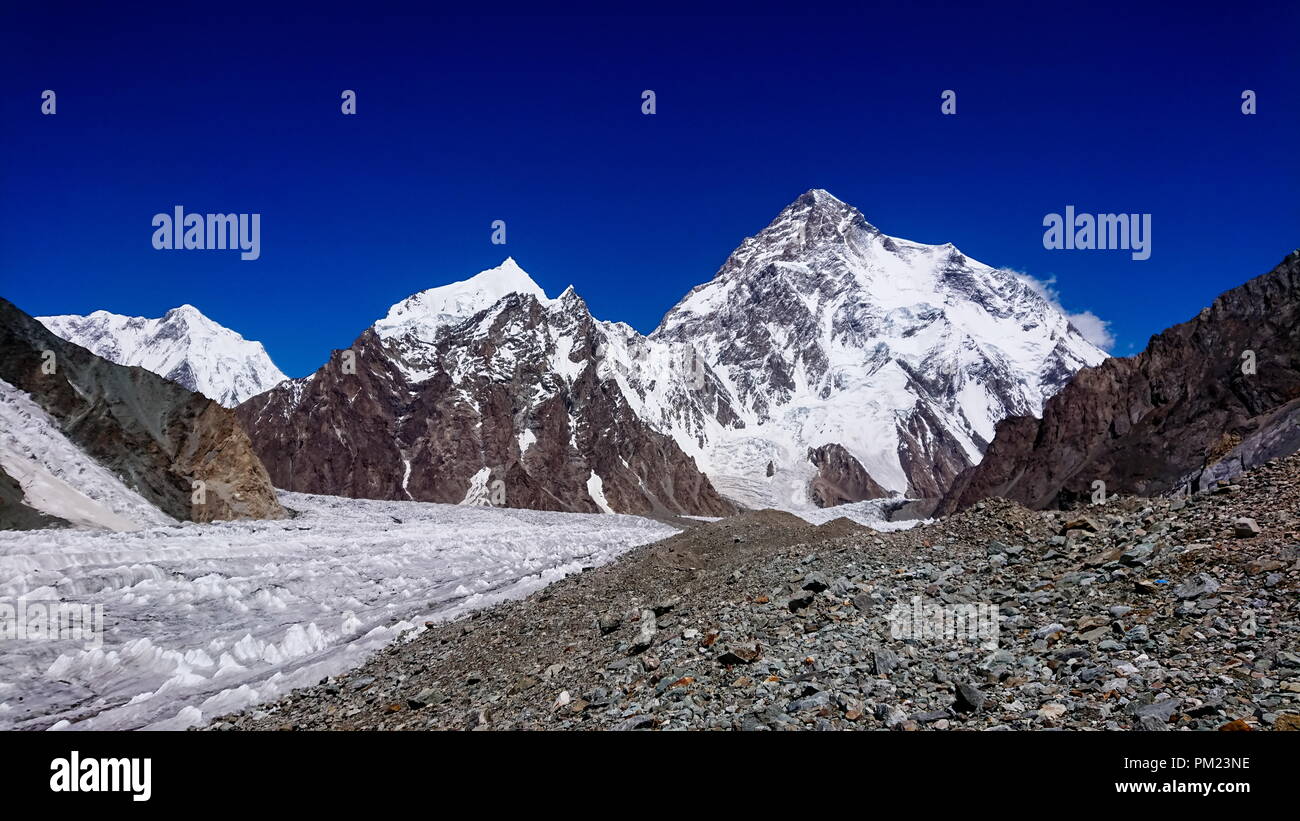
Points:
(188, 314)
(183, 345)
(826, 332)
(421, 314)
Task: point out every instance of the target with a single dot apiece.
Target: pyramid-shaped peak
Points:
(820, 196)
(818, 203)
(508, 277)
(188, 315)
(815, 216)
(186, 310)
(819, 200)
(570, 300)
(424, 312)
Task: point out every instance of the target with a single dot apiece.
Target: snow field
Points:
(201, 620)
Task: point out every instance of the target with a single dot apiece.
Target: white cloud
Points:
(1094, 329)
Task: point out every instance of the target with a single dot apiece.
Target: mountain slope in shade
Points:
(154, 436)
(183, 345)
(1183, 413)
(483, 391)
(59, 480)
(822, 331)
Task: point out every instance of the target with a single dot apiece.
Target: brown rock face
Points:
(929, 454)
(513, 389)
(1185, 411)
(156, 436)
(840, 478)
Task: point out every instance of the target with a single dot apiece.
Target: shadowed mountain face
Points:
(153, 434)
(503, 405)
(1187, 411)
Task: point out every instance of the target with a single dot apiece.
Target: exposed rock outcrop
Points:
(840, 478)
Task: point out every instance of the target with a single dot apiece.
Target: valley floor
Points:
(1138, 614)
(201, 620)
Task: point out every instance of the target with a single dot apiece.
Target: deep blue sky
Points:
(536, 120)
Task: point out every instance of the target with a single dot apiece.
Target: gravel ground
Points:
(1151, 614)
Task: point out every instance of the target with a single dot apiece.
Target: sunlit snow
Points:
(201, 620)
(183, 345)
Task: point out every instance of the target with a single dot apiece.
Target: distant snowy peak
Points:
(182, 345)
(422, 314)
(825, 251)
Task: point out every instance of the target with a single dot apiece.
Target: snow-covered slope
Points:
(422, 314)
(204, 620)
(821, 329)
(183, 345)
(57, 478)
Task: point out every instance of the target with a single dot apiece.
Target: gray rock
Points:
(884, 661)
(969, 698)
(1153, 724)
(813, 702)
(744, 653)
(1162, 710)
(1139, 633)
(424, 698)
(1137, 556)
(646, 636)
(639, 722)
(1047, 630)
(815, 582)
(1202, 584)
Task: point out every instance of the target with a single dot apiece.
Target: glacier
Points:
(202, 620)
